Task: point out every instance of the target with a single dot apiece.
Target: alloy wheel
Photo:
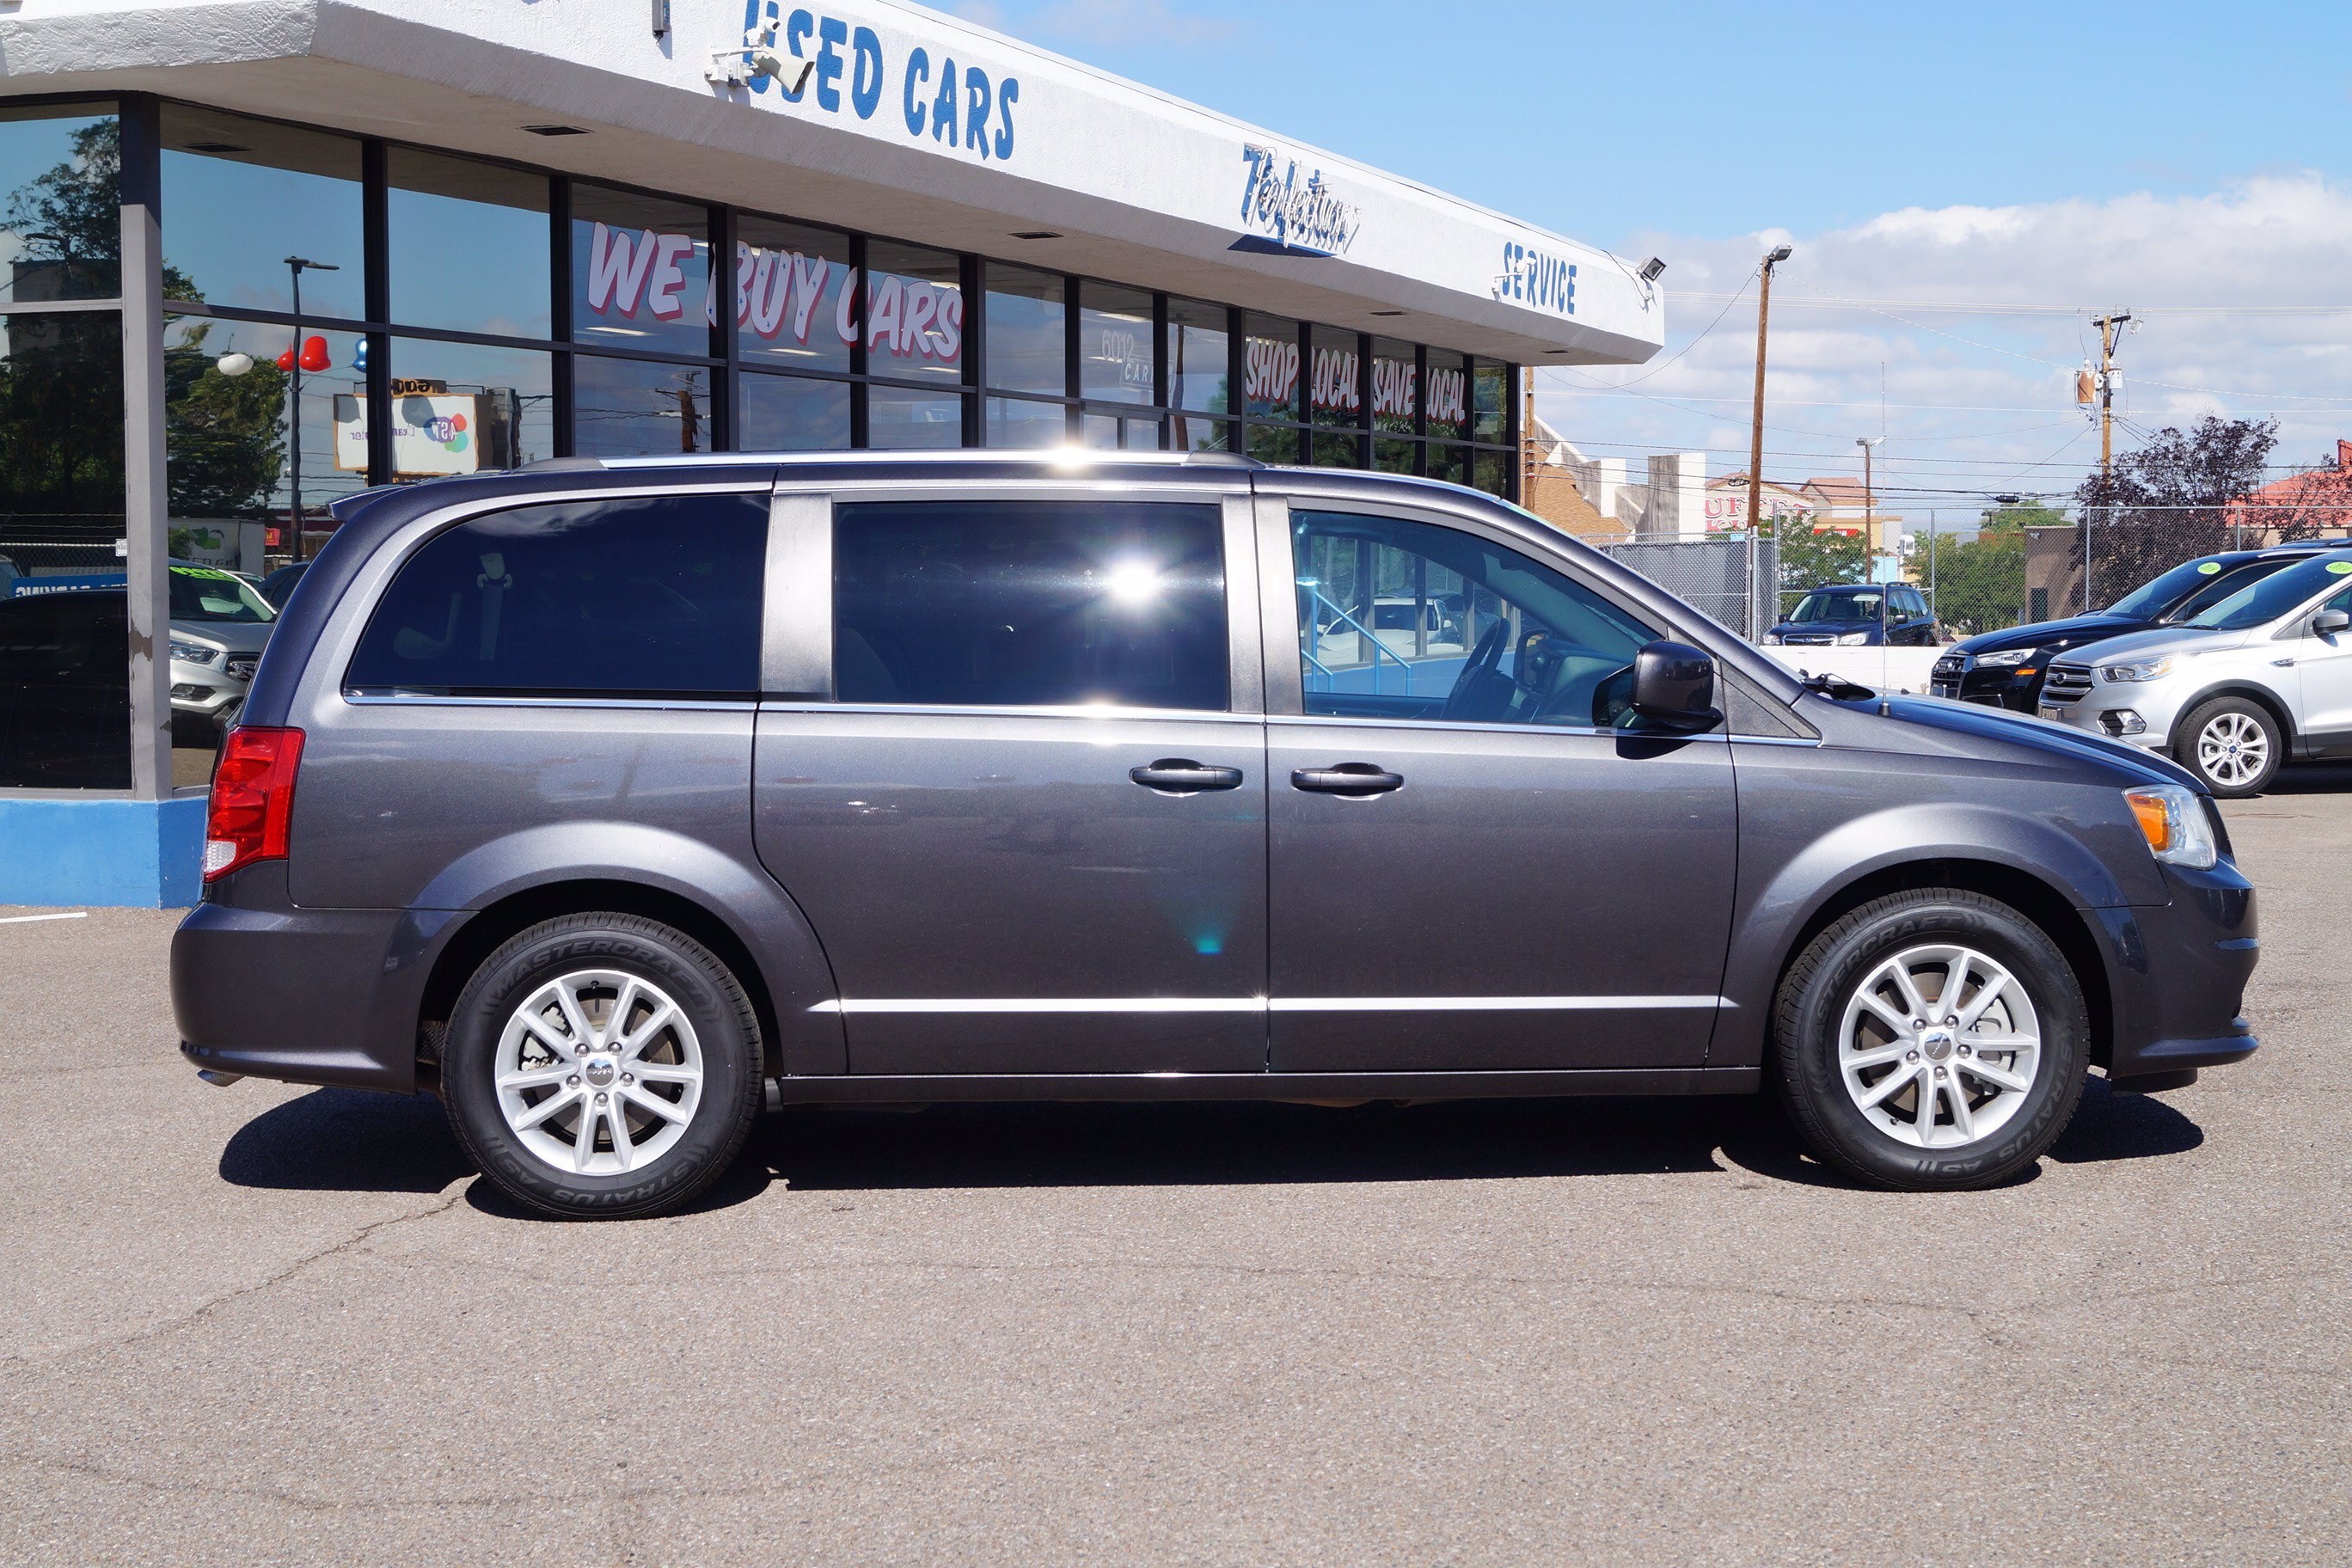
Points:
(598, 1073)
(1939, 1045)
(2233, 750)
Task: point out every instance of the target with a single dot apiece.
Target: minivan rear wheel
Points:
(1935, 1038)
(602, 1065)
(2234, 744)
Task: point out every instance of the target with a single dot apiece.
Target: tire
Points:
(520, 1020)
(1826, 1034)
(2234, 745)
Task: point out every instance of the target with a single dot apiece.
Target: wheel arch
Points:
(2261, 697)
(2036, 899)
(486, 929)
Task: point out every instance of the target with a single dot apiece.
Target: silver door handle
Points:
(2284, 663)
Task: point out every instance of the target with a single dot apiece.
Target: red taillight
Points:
(253, 798)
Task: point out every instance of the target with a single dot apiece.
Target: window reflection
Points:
(241, 195)
(1116, 359)
(786, 413)
(469, 245)
(1448, 397)
(465, 408)
(1026, 325)
(1020, 424)
(1272, 357)
(626, 408)
(914, 312)
(1396, 386)
(61, 226)
(1198, 368)
(898, 417)
(227, 386)
(1335, 378)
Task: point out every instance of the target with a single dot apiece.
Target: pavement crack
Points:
(206, 1309)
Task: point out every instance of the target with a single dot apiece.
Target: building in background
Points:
(1844, 506)
(263, 254)
(1596, 497)
(1777, 507)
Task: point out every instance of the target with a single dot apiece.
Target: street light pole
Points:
(298, 265)
(1772, 258)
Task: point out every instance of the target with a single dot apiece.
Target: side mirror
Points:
(2328, 623)
(1673, 688)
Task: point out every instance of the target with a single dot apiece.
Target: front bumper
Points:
(2140, 713)
(2015, 688)
(2176, 976)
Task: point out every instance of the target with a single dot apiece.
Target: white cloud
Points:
(1975, 401)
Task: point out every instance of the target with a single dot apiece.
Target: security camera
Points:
(1652, 269)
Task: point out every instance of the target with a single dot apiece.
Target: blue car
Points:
(1858, 614)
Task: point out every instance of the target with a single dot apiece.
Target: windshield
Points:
(2151, 599)
(1837, 607)
(2259, 604)
(2222, 585)
(201, 593)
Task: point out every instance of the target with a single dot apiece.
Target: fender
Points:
(1784, 886)
(744, 898)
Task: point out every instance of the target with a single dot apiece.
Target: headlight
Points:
(194, 652)
(1854, 639)
(2172, 819)
(2005, 660)
(2144, 669)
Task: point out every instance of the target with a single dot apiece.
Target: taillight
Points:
(253, 798)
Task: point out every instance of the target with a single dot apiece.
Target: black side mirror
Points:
(2328, 623)
(1673, 688)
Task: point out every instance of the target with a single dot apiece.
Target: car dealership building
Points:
(235, 230)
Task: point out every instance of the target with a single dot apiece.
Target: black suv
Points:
(2006, 669)
(604, 799)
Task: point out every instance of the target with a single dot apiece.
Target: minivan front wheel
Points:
(1935, 1038)
(602, 1065)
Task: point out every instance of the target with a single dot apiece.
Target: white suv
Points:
(2261, 676)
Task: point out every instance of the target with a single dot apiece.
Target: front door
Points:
(2323, 665)
(1474, 866)
(1030, 828)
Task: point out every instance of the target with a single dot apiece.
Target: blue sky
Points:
(2017, 169)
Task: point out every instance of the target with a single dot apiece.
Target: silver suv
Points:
(2234, 692)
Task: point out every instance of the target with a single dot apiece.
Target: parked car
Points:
(602, 798)
(2007, 669)
(220, 623)
(278, 586)
(2235, 691)
(1858, 614)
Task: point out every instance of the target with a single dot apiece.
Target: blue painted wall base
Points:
(141, 854)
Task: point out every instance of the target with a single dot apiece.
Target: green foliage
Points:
(225, 433)
(2168, 501)
(1809, 560)
(80, 202)
(1980, 581)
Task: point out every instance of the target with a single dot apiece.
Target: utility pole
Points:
(1772, 258)
(297, 266)
(2111, 331)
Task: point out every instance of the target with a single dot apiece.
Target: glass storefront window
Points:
(626, 408)
(1118, 433)
(1492, 473)
(1017, 423)
(1196, 433)
(1448, 462)
(1116, 363)
(640, 272)
(1026, 326)
(464, 408)
(1337, 450)
(1198, 365)
(1275, 444)
(1334, 381)
(1491, 393)
(1396, 387)
(788, 414)
(242, 196)
(227, 386)
(1271, 357)
(469, 245)
(902, 417)
(914, 312)
(789, 285)
(1448, 397)
(65, 671)
(61, 225)
(1393, 456)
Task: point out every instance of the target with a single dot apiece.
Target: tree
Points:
(1980, 581)
(2169, 502)
(225, 435)
(78, 205)
(1809, 560)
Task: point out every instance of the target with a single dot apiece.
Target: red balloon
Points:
(314, 355)
(457, 422)
(286, 360)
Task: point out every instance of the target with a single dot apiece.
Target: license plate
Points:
(2051, 712)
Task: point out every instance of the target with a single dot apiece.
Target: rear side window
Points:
(648, 597)
(1030, 604)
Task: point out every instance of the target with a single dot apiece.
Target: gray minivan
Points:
(605, 799)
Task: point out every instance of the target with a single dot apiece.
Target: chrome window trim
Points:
(637, 704)
(1101, 713)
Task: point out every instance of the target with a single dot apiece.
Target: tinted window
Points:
(2218, 586)
(1408, 620)
(2260, 602)
(1002, 604)
(656, 598)
(65, 690)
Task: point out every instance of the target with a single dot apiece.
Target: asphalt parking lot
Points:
(274, 1325)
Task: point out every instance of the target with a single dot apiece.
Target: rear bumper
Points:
(2178, 977)
(321, 996)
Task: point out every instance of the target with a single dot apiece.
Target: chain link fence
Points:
(1731, 577)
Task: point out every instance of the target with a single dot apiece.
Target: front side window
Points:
(1410, 620)
(2259, 604)
(651, 597)
(1021, 604)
